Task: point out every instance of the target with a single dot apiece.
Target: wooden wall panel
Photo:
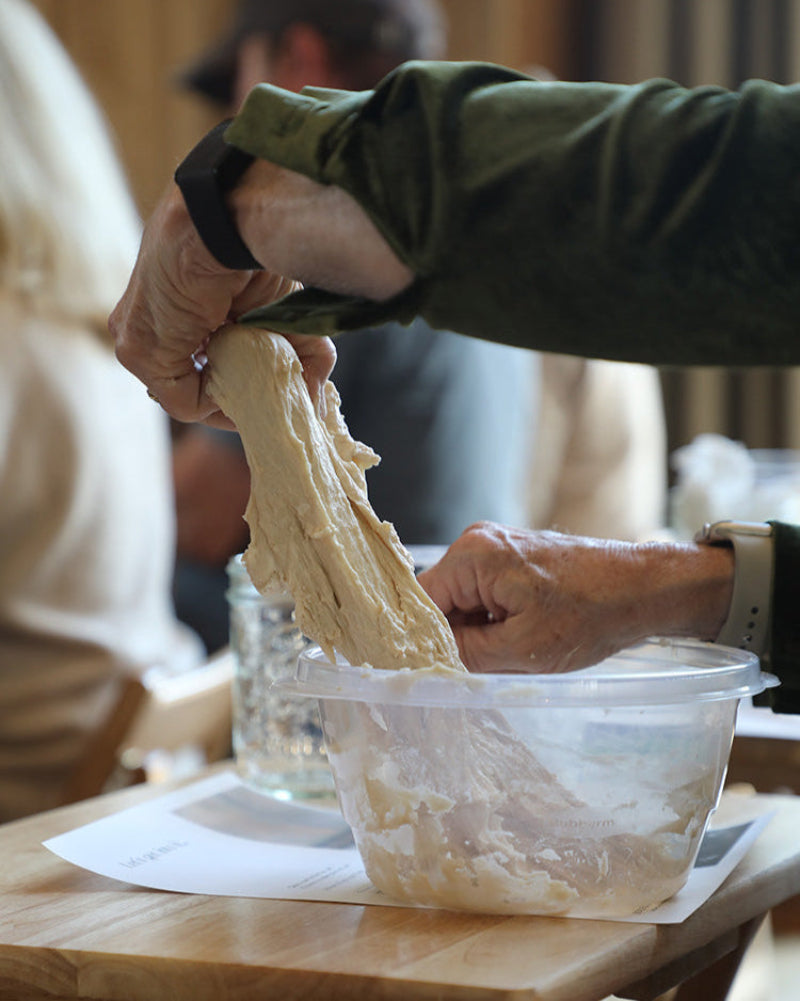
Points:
(517, 33)
(129, 51)
(128, 54)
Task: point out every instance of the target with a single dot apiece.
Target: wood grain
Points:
(130, 51)
(129, 54)
(67, 933)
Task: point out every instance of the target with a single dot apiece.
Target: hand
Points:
(542, 602)
(177, 297)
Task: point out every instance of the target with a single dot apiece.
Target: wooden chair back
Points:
(159, 719)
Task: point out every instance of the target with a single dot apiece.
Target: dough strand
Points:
(312, 528)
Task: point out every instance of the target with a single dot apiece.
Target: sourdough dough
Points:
(449, 807)
(452, 808)
(312, 528)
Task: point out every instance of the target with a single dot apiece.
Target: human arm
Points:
(648, 223)
(545, 602)
(179, 294)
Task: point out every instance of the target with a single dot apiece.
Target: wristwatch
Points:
(747, 624)
(205, 176)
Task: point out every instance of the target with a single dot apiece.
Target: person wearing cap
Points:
(358, 41)
(432, 404)
(649, 222)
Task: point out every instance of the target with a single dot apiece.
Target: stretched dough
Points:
(312, 528)
(450, 807)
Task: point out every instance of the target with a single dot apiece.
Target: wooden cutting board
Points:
(67, 933)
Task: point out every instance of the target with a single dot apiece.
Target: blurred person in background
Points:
(86, 514)
(583, 442)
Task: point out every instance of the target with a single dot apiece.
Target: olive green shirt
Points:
(645, 223)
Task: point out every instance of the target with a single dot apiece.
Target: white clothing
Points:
(599, 466)
(86, 549)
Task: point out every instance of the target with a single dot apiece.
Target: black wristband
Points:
(209, 171)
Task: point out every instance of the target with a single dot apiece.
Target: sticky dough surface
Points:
(312, 528)
(456, 808)
(450, 808)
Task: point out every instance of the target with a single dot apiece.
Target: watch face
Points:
(727, 529)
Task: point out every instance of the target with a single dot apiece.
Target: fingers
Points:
(480, 650)
(177, 297)
(177, 385)
(263, 287)
(539, 602)
(317, 356)
(183, 397)
(465, 579)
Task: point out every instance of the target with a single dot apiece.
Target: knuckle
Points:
(479, 535)
(123, 351)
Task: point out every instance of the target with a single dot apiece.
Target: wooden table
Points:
(67, 933)
(766, 751)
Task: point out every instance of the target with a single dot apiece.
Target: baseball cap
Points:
(405, 29)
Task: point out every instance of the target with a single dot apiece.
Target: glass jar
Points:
(277, 740)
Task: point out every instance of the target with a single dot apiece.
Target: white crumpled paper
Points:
(719, 479)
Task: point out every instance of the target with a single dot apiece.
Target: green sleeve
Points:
(784, 652)
(648, 223)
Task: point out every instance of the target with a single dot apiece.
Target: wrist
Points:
(315, 233)
(691, 587)
(180, 232)
(204, 177)
(205, 282)
(265, 207)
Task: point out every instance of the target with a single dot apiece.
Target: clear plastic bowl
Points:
(583, 794)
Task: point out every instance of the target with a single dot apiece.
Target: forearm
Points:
(685, 589)
(591, 219)
(316, 234)
(544, 601)
(708, 570)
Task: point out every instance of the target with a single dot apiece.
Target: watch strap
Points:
(785, 622)
(204, 177)
(747, 624)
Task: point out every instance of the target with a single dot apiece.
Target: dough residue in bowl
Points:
(451, 808)
(468, 830)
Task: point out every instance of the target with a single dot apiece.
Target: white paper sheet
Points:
(217, 836)
(753, 721)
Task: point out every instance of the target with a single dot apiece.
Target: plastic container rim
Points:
(658, 672)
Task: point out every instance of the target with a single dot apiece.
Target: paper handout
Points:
(218, 836)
